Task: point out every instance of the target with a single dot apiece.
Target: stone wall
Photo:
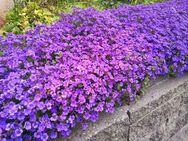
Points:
(160, 115)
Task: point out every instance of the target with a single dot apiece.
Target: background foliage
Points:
(27, 14)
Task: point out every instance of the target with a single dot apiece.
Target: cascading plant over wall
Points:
(54, 77)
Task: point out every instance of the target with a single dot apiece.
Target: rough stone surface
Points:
(163, 116)
(162, 122)
(160, 115)
(182, 135)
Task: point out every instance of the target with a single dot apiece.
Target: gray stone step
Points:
(181, 135)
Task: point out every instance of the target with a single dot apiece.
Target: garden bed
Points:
(58, 76)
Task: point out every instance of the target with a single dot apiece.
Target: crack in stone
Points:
(129, 126)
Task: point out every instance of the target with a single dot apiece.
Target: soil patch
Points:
(2, 22)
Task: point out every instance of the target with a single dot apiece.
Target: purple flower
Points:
(20, 116)
(1, 131)
(62, 127)
(81, 99)
(84, 126)
(18, 132)
(27, 125)
(37, 135)
(41, 127)
(53, 135)
(8, 127)
(19, 139)
(35, 124)
(44, 137)
(54, 117)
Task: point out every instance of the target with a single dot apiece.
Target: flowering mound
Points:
(54, 77)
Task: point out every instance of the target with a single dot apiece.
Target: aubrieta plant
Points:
(54, 77)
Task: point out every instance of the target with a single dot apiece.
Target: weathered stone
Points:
(116, 132)
(157, 95)
(163, 122)
(182, 135)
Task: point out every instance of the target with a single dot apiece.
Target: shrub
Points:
(21, 18)
(54, 77)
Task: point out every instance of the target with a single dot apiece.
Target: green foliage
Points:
(145, 84)
(171, 73)
(21, 18)
(135, 2)
(27, 14)
(67, 5)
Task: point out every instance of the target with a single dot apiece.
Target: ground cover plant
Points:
(55, 77)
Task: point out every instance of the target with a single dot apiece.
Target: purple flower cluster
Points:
(54, 77)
